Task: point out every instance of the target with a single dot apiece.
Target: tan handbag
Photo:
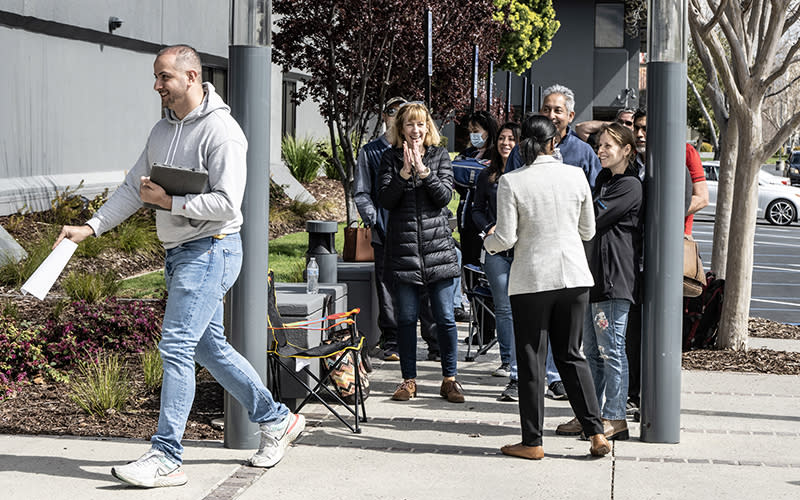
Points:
(357, 244)
(694, 277)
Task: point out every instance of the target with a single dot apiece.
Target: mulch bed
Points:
(760, 327)
(752, 360)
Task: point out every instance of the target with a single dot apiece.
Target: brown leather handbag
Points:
(357, 244)
(694, 276)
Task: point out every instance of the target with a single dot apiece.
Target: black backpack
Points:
(701, 315)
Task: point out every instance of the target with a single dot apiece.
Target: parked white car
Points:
(778, 201)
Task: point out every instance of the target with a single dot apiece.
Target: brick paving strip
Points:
(235, 484)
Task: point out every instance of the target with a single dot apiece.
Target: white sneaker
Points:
(151, 470)
(276, 438)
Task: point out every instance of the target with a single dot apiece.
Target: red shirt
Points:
(697, 173)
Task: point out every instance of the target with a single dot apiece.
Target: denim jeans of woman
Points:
(198, 274)
(497, 268)
(407, 307)
(604, 347)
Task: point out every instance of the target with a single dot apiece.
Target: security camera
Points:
(114, 23)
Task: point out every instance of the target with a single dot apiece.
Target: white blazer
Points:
(545, 212)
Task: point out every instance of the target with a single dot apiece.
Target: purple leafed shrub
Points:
(21, 355)
(117, 326)
(82, 332)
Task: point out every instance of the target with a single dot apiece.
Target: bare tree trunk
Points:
(722, 217)
(733, 330)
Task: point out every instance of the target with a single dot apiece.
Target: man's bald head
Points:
(186, 58)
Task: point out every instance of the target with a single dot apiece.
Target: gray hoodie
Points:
(208, 138)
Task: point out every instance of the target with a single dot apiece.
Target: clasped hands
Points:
(412, 161)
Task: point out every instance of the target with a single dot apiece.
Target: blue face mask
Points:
(477, 139)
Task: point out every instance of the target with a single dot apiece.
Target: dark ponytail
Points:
(537, 131)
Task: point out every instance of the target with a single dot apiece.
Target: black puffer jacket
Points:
(614, 250)
(419, 246)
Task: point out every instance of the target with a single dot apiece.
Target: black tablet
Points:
(177, 181)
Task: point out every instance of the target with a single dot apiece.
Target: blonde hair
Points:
(413, 111)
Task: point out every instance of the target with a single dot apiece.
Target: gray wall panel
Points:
(71, 106)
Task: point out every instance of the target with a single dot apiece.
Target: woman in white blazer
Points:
(545, 212)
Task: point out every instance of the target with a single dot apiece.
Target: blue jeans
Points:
(198, 274)
(497, 269)
(407, 306)
(550, 367)
(458, 295)
(604, 347)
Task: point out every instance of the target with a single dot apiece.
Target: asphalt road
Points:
(776, 269)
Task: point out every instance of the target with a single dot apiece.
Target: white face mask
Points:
(477, 140)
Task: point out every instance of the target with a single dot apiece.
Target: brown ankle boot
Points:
(522, 451)
(600, 446)
(406, 390)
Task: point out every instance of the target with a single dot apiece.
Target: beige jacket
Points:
(544, 210)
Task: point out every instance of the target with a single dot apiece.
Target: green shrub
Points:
(706, 148)
(67, 207)
(137, 235)
(14, 274)
(153, 368)
(302, 157)
(10, 310)
(325, 149)
(89, 286)
(102, 385)
(91, 247)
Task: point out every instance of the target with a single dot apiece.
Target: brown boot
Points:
(452, 390)
(615, 429)
(406, 390)
(600, 446)
(571, 428)
(522, 451)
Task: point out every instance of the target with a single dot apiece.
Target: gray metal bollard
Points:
(321, 238)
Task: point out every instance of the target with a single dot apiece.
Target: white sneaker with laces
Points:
(276, 438)
(151, 470)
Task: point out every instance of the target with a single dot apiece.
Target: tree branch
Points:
(785, 87)
(787, 61)
(769, 45)
(791, 20)
(781, 135)
(708, 26)
(706, 114)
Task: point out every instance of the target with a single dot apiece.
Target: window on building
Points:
(218, 77)
(288, 108)
(609, 25)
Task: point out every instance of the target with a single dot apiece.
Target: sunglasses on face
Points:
(627, 123)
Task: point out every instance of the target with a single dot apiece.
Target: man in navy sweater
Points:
(558, 104)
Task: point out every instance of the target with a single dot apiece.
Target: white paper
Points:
(300, 363)
(41, 281)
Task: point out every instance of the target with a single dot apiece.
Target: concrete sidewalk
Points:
(740, 439)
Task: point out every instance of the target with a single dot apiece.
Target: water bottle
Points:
(312, 276)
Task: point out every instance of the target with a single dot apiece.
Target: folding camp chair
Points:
(343, 343)
(481, 310)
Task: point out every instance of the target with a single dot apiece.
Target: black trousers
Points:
(559, 315)
(633, 348)
(387, 322)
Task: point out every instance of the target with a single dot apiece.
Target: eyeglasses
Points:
(627, 123)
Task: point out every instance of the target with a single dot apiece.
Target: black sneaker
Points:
(434, 356)
(511, 392)
(461, 315)
(556, 390)
(631, 407)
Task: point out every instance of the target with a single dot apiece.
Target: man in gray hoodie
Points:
(200, 233)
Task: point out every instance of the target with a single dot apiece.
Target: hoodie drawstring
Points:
(175, 139)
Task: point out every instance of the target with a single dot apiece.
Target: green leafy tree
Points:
(697, 111)
(530, 28)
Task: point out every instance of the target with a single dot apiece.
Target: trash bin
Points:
(321, 239)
